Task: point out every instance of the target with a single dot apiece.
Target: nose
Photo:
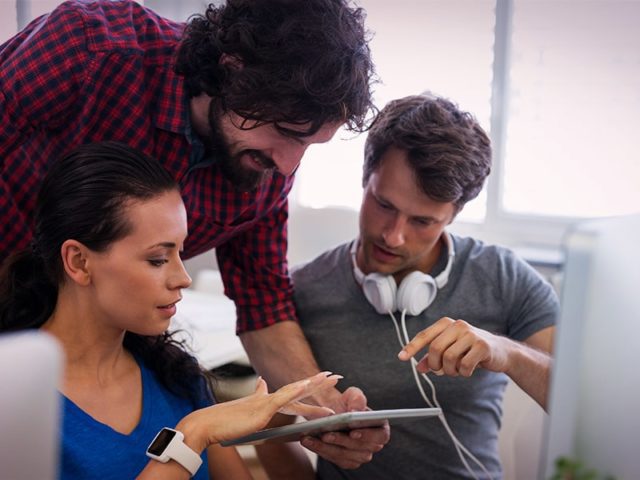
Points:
(287, 161)
(393, 234)
(179, 277)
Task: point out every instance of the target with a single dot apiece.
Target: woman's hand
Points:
(228, 420)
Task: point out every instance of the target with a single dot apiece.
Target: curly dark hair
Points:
(289, 61)
(83, 197)
(448, 150)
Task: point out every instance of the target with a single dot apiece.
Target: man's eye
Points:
(422, 222)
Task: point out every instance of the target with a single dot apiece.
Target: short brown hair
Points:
(448, 150)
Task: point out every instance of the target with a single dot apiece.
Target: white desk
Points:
(207, 322)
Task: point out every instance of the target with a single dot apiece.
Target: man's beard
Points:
(243, 178)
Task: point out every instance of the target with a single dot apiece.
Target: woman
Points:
(104, 275)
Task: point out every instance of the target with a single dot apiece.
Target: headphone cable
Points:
(403, 339)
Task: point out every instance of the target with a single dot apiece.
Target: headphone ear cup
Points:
(380, 291)
(416, 292)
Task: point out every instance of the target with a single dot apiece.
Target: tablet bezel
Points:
(332, 423)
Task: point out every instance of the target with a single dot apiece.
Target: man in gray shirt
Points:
(483, 313)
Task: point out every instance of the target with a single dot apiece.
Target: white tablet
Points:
(333, 423)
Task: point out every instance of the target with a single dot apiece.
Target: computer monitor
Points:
(594, 403)
(31, 365)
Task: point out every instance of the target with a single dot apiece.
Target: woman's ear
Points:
(74, 261)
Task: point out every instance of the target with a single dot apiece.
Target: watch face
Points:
(161, 441)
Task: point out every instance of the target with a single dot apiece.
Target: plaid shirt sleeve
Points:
(41, 73)
(255, 272)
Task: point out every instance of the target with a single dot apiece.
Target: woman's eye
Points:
(157, 262)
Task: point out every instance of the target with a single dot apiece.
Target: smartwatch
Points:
(168, 444)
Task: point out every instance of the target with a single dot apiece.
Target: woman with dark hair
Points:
(103, 275)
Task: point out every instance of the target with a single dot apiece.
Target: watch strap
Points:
(182, 454)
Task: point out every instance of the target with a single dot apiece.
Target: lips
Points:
(172, 304)
(383, 255)
(170, 308)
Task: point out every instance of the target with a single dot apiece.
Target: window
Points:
(572, 138)
(554, 82)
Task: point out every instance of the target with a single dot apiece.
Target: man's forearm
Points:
(531, 365)
(531, 369)
(280, 353)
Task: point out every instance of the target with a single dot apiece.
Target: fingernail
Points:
(325, 373)
(329, 438)
(403, 355)
(356, 435)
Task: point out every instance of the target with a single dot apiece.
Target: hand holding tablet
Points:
(333, 423)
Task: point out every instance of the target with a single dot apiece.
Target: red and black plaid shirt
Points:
(92, 71)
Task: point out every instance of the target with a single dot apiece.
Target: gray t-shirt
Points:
(489, 287)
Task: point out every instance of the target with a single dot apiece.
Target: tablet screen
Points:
(333, 423)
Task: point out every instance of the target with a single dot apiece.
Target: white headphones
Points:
(416, 291)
